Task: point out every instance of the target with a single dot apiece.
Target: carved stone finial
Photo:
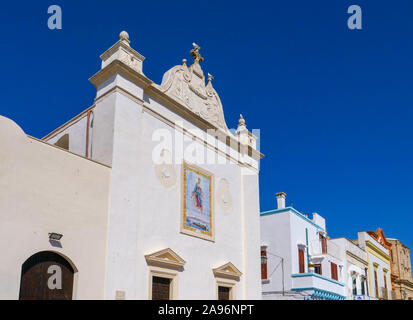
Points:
(184, 62)
(124, 36)
(241, 121)
(195, 53)
(210, 77)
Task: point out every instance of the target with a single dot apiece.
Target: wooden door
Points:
(161, 288)
(46, 276)
(223, 293)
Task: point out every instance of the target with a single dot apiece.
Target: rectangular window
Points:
(334, 273)
(317, 269)
(161, 288)
(263, 264)
(223, 293)
(376, 283)
(363, 290)
(354, 286)
(301, 260)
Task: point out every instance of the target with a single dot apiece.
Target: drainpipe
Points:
(306, 243)
(282, 271)
(367, 285)
(87, 133)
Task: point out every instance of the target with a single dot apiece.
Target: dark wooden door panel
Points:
(161, 288)
(35, 277)
(223, 293)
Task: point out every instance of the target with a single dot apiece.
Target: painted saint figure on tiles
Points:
(197, 206)
(198, 196)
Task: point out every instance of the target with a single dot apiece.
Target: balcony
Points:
(318, 249)
(316, 284)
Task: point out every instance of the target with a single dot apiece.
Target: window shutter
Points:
(334, 274)
(264, 264)
(301, 260)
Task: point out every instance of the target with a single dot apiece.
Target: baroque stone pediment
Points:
(227, 270)
(166, 257)
(187, 86)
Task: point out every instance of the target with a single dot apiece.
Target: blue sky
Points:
(334, 106)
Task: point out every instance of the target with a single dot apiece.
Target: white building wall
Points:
(352, 266)
(284, 232)
(275, 233)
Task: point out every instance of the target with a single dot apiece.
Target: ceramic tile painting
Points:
(197, 217)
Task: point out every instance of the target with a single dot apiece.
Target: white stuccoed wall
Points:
(145, 216)
(276, 234)
(45, 189)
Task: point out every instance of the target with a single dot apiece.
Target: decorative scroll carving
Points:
(187, 85)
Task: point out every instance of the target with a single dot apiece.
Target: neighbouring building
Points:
(298, 260)
(145, 195)
(355, 268)
(380, 276)
(402, 268)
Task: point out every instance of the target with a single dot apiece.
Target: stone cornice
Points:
(364, 262)
(147, 108)
(152, 90)
(115, 67)
(405, 282)
(126, 47)
(377, 251)
(200, 122)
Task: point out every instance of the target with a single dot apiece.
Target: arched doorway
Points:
(46, 276)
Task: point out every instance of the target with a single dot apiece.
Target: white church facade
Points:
(145, 195)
